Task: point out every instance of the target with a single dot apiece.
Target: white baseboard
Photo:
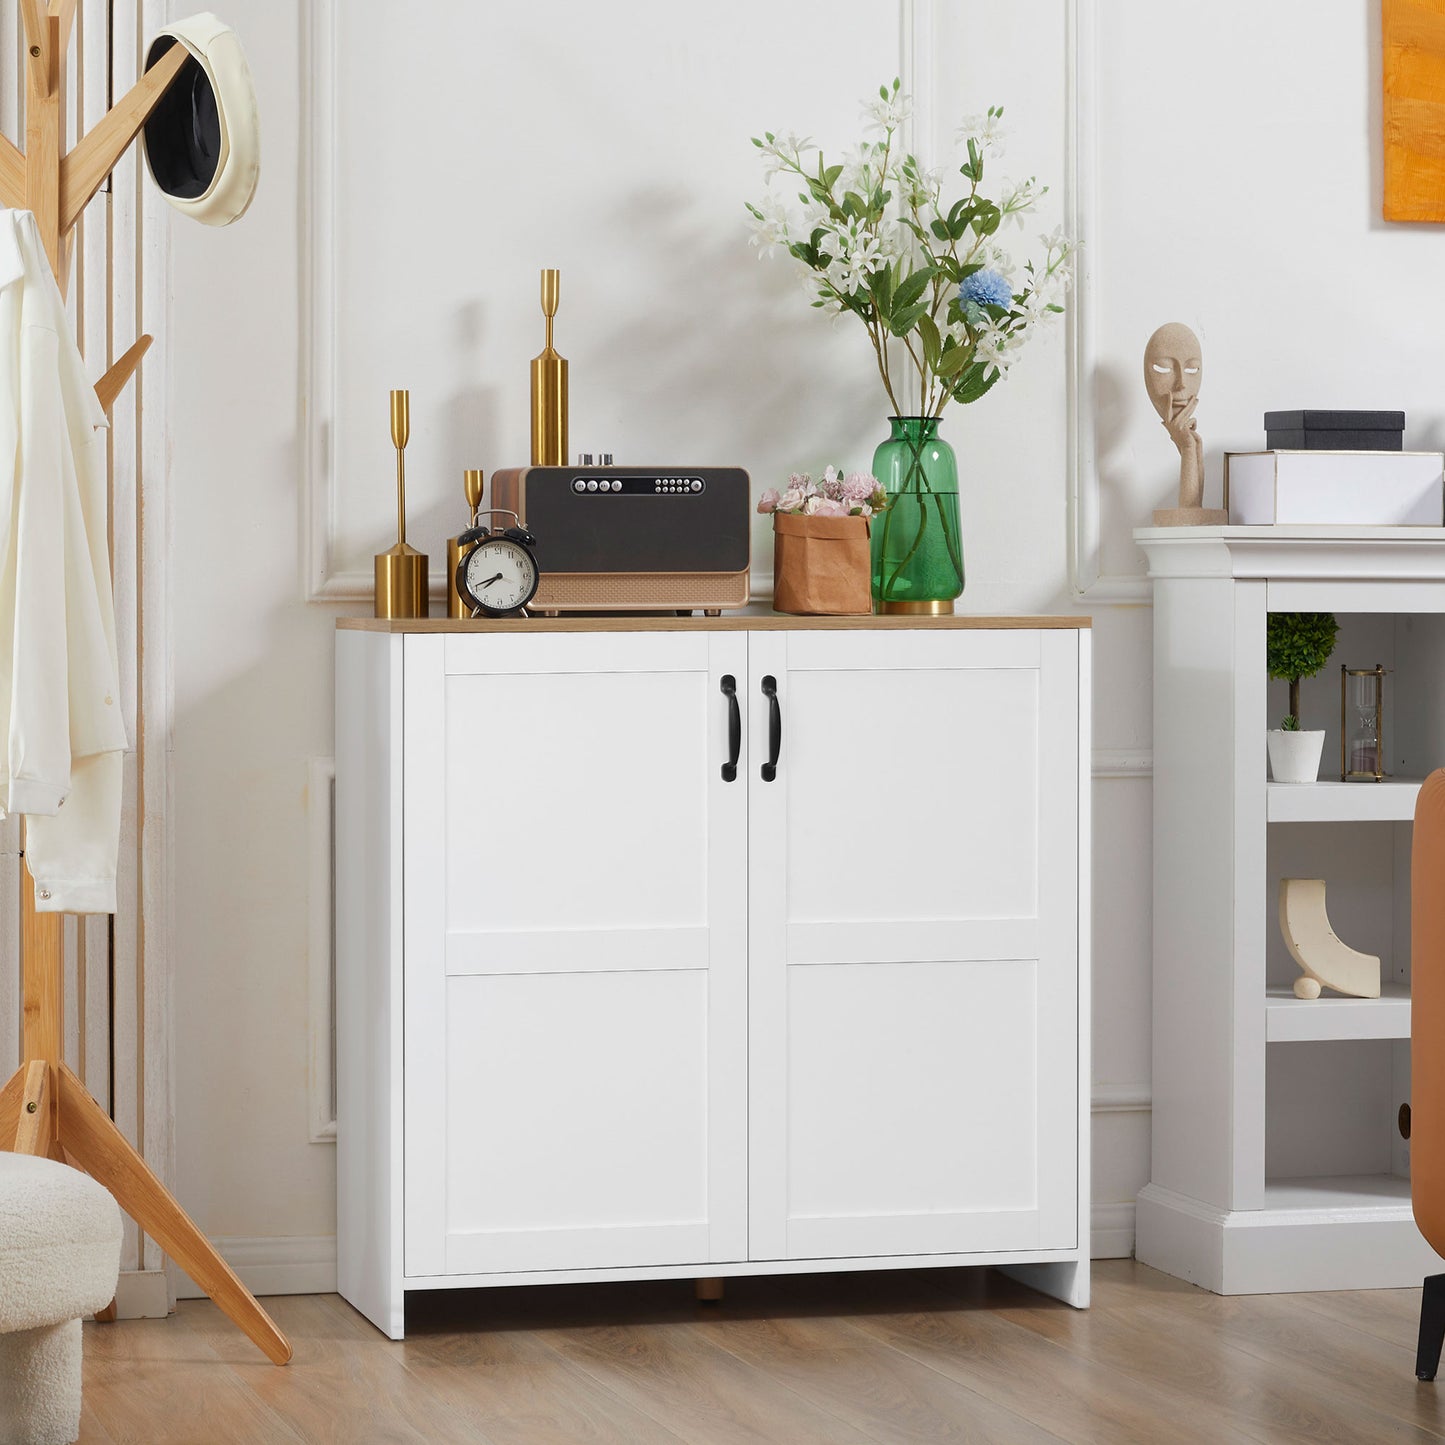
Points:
(285, 1264)
(1111, 1231)
(306, 1264)
(142, 1294)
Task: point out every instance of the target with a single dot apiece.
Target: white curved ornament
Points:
(1327, 963)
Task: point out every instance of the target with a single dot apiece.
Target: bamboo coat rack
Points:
(45, 1109)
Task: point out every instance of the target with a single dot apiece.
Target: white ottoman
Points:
(59, 1260)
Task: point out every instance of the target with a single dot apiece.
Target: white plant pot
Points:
(1294, 757)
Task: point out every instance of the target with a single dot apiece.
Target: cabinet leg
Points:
(1432, 1327)
(710, 1291)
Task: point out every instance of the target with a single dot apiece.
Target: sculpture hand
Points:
(1181, 428)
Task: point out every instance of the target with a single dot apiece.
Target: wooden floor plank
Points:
(156, 1382)
(1040, 1382)
(1392, 1315)
(879, 1359)
(883, 1392)
(485, 1353)
(1184, 1341)
(92, 1432)
(355, 1385)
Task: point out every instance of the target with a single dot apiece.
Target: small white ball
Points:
(1306, 987)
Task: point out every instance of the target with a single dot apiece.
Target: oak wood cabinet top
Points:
(747, 619)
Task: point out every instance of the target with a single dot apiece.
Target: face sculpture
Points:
(1172, 369)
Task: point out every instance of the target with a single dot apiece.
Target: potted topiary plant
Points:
(1298, 645)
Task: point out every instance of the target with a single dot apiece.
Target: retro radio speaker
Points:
(633, 539)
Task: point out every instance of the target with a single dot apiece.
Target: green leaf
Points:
(977, 382)
(953, 361)
(905, 318)
(932, 341)
(830, 176)
(881, 285)
(939, 229)
(914, 287)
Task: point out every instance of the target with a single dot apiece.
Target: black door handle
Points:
(775, 728)
(729, 687)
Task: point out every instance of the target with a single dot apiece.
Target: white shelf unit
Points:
(1290, 1020)
(1331, 801)
(1277, 1162)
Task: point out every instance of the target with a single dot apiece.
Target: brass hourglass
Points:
(1362, 724)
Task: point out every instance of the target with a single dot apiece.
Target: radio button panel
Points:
(648, 486)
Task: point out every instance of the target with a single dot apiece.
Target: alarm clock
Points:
(499, 576)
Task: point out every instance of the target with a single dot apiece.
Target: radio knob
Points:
(584, 459)
(606, 459)
(696, 485)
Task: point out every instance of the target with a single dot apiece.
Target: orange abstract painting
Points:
(1414, 50)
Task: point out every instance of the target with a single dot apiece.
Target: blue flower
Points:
(987, 287)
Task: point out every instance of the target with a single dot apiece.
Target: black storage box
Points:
(1334, 431)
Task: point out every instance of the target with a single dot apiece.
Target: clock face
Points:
(501, 575)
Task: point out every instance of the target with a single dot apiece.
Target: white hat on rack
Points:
(203, 140)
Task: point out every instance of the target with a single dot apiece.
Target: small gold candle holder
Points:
(472, 484)
(401, 571)
(1362, 724)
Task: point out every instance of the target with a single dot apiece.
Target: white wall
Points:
(1236, 188)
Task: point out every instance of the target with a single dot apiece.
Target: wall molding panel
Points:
(1123, 763)
(1090, 586)
(1122, 1099)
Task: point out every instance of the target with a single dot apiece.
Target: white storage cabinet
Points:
(610, 1008)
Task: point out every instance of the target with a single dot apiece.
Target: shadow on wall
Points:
(1118, 501)
(471, 418)
(740, 363)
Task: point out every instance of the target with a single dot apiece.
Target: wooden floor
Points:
(928, 1355)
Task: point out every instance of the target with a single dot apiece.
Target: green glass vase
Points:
(917, 543)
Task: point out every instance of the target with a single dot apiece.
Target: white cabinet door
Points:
(576, 952)
(913, 981)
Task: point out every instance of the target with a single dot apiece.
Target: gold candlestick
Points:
(472, 480)
(401, 571)
(549, 387)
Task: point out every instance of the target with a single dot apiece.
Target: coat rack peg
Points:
(83, 171)
(113, 382)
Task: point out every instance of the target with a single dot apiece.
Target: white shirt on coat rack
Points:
(59, 672)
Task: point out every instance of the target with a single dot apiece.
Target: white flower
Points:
(1019, 198)
(856, 255)
(997, 259)
(1057, 241)
(916, 185)
(785, 152)
(888, 115)
(1035, 307)
(987, 130)
(860, 169)
(770, 226)
(994, 349)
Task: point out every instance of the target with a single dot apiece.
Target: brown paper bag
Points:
(821, 565)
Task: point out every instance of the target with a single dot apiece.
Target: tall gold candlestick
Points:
(549, 387)
(401, 571)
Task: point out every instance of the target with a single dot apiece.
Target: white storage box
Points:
(1362, 489)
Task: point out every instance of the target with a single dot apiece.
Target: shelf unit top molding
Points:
(1314, 554)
